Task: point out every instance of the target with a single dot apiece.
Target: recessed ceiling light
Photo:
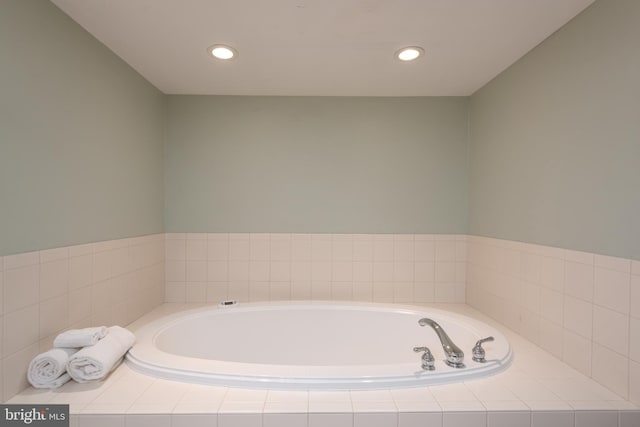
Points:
(221, 51)
(409, 53)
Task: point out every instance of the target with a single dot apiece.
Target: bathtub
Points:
(311, 346)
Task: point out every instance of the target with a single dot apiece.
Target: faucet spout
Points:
(455, 356)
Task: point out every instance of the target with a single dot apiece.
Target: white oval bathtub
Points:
(311, 345)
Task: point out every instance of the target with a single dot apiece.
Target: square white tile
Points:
(552, 419)
(380, 419)
(196, 250)
(21, 287)
(285, 420)
(54, 279)
(147, 420)
(578, 316)
(596, 419)
(576, 352)
(218, 247)
(100, 420)
(464, 419)
(509, 419)
(611, 329)
(634, 300)
(194, 420)
(579, 280)
(610, 369)
(330, 419)
(552, 273)
(239, 420)
(612, 289)
(629, 419)
(419, 419)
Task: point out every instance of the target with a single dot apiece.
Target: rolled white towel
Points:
(49, 369)
(80, 337)
(95, 362)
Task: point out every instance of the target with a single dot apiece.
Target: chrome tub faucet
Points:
(453, 353)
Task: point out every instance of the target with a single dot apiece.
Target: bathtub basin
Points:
(311, 346)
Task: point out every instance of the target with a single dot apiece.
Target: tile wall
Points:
(583, 308)
(45, 292)
(405, 268)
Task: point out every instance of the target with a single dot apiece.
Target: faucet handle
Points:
(428, 361)
(478, 351)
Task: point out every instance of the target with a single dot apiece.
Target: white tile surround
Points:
(582, 308)
(404, 268)
(46, 292)
(537, 391)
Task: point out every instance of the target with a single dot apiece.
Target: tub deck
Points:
(311, 345)
(537, 390)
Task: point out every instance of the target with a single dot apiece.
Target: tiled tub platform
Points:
(538, 390)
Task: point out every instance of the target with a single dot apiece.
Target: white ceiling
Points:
(321, 47)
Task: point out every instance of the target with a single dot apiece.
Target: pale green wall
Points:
(555, 147)
(555, 139)
(281, 164)
(80, 136)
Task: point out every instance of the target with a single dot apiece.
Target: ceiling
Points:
(321, 47)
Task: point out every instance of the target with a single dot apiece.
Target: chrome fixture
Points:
(455, 356)
(428, 362)
(478, 351)
(228, 303)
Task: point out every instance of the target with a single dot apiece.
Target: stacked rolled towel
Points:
(80, 337)
(95, 362)
(49, 369)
